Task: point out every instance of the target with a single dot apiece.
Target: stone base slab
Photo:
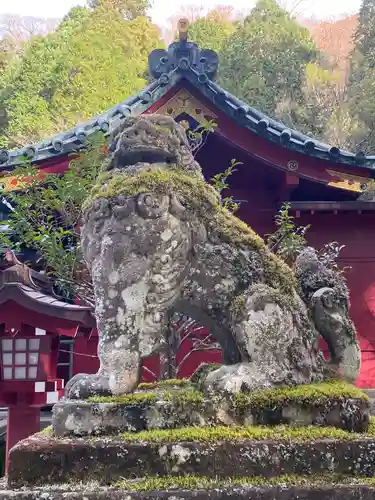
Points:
(232, 493)
(82, 418)
(42, 460)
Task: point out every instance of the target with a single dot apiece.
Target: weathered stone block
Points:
(191, 408)
(228, 493)
(82, 418)
(42, 460)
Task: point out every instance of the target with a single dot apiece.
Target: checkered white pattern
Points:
(52, 397)
(40, 387)
(49, 392)
(49, 386)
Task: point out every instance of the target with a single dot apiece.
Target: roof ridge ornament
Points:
(183, 56)
(183, 29)
(12, 270)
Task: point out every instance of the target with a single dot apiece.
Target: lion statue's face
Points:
(153, 139)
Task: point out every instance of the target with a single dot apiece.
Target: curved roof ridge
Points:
(184, 60)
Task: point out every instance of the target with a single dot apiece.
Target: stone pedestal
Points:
(42, 460)
(174, 408)
(218, 466)
(174, 443)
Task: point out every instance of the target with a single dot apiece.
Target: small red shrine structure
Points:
(32, 320)
(323, 184)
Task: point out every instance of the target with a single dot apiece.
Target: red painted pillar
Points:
(22, 422)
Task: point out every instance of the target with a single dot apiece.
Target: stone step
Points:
(42, 460)
(281, 492)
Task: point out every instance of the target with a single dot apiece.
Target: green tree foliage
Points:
(323, 112)
(365, 34)
(129, 9)
(8, 61)
(94, 60)
(7, 53)
(213, 30)
(361, 87)
(46, 218)
(264, 60)
(288, 240)
(271, 62)
(27, 115)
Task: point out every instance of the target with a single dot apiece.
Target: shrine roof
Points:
(46, 304)
(184, 61)
(34, 290)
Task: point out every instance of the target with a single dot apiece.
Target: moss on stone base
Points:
(47, 431)
(180, 404)
(209, 452)
(136, 399)
(309, 394)
(257, 433)
(371, 427)
(186, 395)
(164, 384)
(190, 482)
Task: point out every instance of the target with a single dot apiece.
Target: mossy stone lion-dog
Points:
(157, 239)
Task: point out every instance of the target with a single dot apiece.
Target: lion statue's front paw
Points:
(83, 386)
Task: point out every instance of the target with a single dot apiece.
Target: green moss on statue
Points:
(205, 201)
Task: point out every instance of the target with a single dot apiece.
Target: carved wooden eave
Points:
(184, 88)
(34, 291)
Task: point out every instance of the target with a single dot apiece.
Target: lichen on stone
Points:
(200, 374)
(238, 305)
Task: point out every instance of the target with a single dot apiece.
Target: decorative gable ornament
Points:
(183, 55)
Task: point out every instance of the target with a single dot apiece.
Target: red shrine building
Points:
(44, 341)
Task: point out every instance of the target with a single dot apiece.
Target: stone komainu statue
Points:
(157, 240)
